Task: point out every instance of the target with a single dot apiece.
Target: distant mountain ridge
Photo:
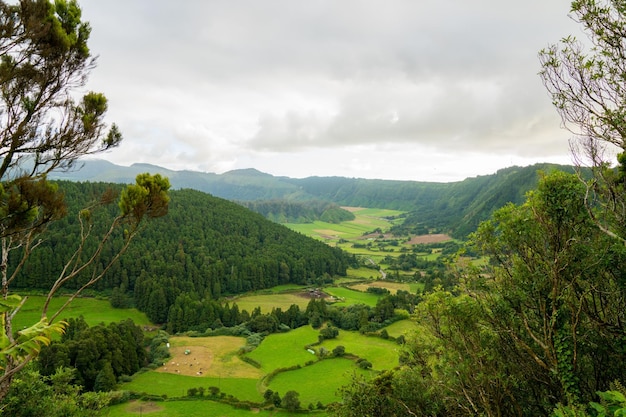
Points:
(455, 207)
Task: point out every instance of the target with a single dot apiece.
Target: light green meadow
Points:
(351, 297)
(383, 354)
(318, 382)
(402, 328)
(283, 350)
(269, 301)
(172, 385)
(94, 311)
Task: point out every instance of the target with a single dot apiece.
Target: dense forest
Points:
(205, 246)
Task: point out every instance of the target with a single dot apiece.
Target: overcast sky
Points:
(425, 90)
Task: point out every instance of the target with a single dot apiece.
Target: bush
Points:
(364, 363)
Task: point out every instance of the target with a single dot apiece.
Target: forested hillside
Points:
(205, 246)
(286, 211)
(456, 207)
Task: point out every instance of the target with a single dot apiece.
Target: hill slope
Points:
(456, 207)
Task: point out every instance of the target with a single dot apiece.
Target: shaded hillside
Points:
(459, 207)
(205, 246)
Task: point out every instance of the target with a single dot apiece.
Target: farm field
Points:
(209, 357)
(215, 361)
(401, 328)
(269, 301)
(393, 287)
(93, 310)
(350, 297)
(366, 220)
(383, 354)
(315, 380)
(172, 385)
(283, 350)
(318, 382)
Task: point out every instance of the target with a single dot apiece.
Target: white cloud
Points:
(327, 87)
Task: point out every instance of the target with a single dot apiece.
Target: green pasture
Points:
(173, 385)
(376, 213)
(283, 350)
(366, 220)
(401, 328)
(94, 310)
(374, 253)
(190, 408)
(317, 382)
(392, 286)
(282, 288)
(334, 231)
(353, 297)
(269, 301)
(383, 354)
(363, 273)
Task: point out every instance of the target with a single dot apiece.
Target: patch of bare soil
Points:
(433, 238)
(194, 363)
(141, 407)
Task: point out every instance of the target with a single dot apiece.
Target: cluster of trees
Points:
(100, 354)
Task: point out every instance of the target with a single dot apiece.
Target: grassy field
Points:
(317, 382)
(268, 301)
(214, 361)
(216, 356)
(283, 350)
(94, 311)
(393, 287)
(366, 221)
(352, 296)
(172, 385)
(383, 354)
(208, 357)
(199, 408)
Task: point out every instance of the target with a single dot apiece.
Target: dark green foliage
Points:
(373, 398)
(99, 354)
(204, 248)
(288, 211)
(459, 207)
(328, 332)
(57, 395)
(339, 351)
(105, 380)
(291, 401)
